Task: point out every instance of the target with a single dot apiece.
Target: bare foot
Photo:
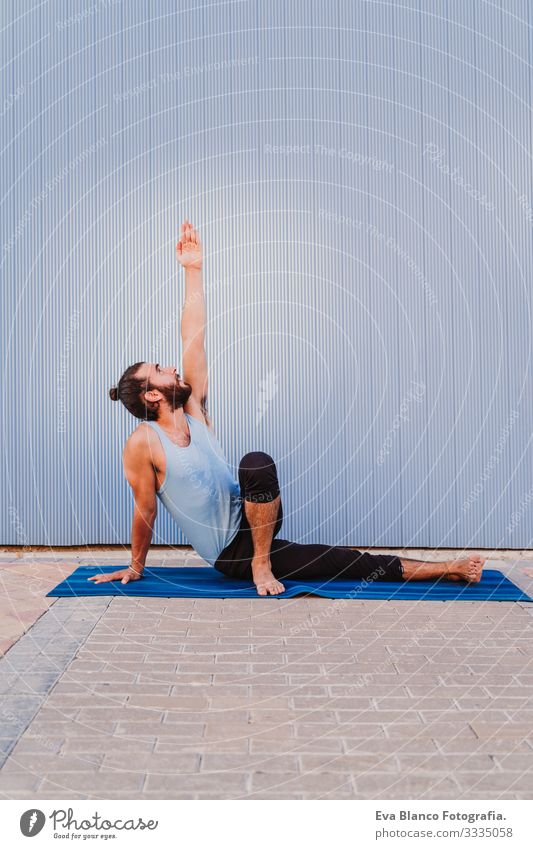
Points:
(467, 569)
(265, 582)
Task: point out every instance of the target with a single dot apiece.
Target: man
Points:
(175, 456)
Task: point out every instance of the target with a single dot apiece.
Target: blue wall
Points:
(360, 173)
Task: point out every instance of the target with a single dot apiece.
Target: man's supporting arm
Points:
(141, 535)
(140, 473)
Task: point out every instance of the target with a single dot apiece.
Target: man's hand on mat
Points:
(189, 248)
(124, 576)
(264, 580)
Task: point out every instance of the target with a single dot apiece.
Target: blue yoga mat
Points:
(206, 582)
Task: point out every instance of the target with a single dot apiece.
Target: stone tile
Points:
(259, 716)
(259, 690)
(494, 783)
(107, 744)
(234, 746)
(21, 785)
(386, 786)
(140, 730)
(352, 764)
(370, 690)
(435, 730)
(205, 715)
(245, 763)
(172, 786)
(500, 730)
(373, 745)
(311, 784)
(166, 702)
(37, 745)
(40, 763)
(449, 764)
(30, 683)
(381, 717)
(406, 703)
(463, 717)
(228, 730)
(127, 714)
(150, 763)
(298, 745)
(65, 785)
(346, 730)
(267, 795)
(73, 728)
(515, 761)
(51, 713)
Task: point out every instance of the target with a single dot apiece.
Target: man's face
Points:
(164, 383)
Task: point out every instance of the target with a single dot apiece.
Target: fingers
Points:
(104, 578)
(188, 233)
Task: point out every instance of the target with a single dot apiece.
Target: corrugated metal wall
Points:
(360, 173)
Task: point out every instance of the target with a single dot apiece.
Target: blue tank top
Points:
(199, 490)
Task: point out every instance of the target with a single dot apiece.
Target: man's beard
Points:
(176, 396)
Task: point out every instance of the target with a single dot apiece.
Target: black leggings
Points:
(258, 480)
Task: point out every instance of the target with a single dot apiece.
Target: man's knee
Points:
(256, 460)
(258, 477)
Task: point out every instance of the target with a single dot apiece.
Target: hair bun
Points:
(113, 393)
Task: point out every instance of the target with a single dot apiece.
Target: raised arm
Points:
(193, 316)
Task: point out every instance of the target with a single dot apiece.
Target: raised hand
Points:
(189, 248)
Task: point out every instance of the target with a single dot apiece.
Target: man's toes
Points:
(270, 587)
(275, 588)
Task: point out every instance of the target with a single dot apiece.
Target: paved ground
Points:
(267, 698)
